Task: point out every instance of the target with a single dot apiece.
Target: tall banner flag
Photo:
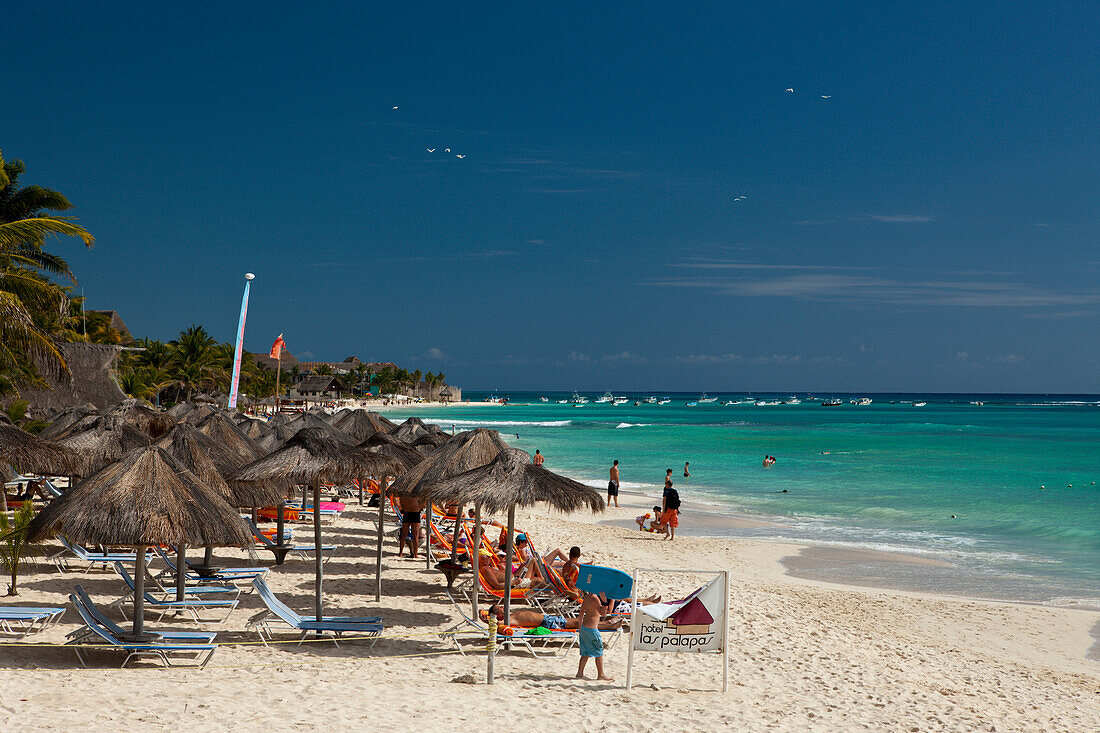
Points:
(248, 277)
(277, 355)
(277, 348)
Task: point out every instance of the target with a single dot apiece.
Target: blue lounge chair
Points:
(537, 646)
(279, 613)
(302, 551)
(22, 620)
(191, 607)
(160, 650)
(224, 575)
(94, 559)
(172, 637)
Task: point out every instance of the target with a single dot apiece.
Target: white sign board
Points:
(697, 623)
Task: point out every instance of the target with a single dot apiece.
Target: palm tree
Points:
(195, 360)
(30, 302)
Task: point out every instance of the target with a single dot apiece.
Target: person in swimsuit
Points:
(687, 473)
(613, 484)
(530, 619)
(591, 643)
(538, 459)
(410, 525)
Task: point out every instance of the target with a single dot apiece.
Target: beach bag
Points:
(672, 499)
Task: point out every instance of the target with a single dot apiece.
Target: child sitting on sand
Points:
(654, 523)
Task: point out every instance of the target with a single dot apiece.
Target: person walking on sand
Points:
(588, 636)
(670, 515)
(538, 459)
(410, 525)
(613, 485)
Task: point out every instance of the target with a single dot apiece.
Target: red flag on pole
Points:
(277, 347)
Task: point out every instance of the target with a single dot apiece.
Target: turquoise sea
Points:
(884, 476)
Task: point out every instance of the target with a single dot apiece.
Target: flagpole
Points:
(278, 373)
(248, 277)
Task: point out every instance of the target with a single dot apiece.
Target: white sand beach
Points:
(804, 656)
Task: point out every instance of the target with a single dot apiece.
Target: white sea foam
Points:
(502, 423)
(634, 425)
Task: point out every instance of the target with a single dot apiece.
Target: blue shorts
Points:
(591, 642)
(551, 621)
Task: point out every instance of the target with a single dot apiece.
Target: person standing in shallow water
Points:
(613, 484)
(538, 459)
(687, 473)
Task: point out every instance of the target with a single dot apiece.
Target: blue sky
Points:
(932, 225)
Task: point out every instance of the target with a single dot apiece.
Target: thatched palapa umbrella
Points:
(147, 498)
(31, 454)
(511, 480)
(310, 457)
(361, 424)
(222, 430)
(149, 421)
(211, 462)
(465, 451)
(65, 419)
(107, 441)
(410, 430)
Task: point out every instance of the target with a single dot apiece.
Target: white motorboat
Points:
(792, 401)
(543, 399)
(863, 401)
(704, 399)
(651, 400)
(605, 397)
(692, 404)
(919, 404)
(977, 404)
(577, 399)
(832, 403)
(621, 400)
(663, 401)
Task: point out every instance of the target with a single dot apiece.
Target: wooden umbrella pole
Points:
(139, 592)
(508, 566)
(381, 535)
(454, 538)
(428, 538)
(360, 491)
(475, 555)
(280, 523)
(317, 542)
(181, 571)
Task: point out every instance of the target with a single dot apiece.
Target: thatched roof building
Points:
(90, 380)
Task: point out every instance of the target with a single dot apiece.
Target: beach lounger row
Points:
(279, 615)
(166, 605)
(103, 560)
(304, 552)
(23, 620)
(195, 645)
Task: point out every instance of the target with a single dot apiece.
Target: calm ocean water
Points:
(884, 476)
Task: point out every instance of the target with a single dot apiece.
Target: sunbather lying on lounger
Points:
(530, 619)
(526, 575)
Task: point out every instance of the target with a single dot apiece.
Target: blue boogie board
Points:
(611, 582)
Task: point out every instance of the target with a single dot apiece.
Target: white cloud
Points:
(624, 356)
(435, 353)
(1009, 359)
(577, 356)
(901, 218)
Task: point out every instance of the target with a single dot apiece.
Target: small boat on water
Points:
(577, 399)
(605, 397)
(768, 403)
(977, 404)
(651, 400)
(863, 401)
(704, 399)
(563, 402)
(832, 403)
(919, 404)
(544, 399)
(620, 400)
(792, 401)
(692, 404)
(663, 401)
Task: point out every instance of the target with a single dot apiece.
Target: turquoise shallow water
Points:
(884, 476)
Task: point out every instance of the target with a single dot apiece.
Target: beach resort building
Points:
(322, 387)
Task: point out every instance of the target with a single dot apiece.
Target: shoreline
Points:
(805, 655)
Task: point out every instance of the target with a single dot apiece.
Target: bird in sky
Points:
(740, 198)
(395, 107)
(460, 156)
(430, 150)
(446, 150)
(826, 96)
(791, 91)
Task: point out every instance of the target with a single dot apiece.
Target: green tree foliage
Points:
(14, 546)
(35, 314)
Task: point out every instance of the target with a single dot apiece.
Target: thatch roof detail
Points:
(152, 422)
(107, 441)
(147, 498)
(65, 419)
(212, 461)
(223, 431)
(89, 381)
(31, 454)
(431, 441)
(197, 414)
(465, 451)
(386, 445)
(512, 480)
(410, 430)
(316, 454)
(361, 424)
(254, 429)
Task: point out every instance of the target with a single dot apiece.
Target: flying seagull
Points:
(789, 90)
(826, 96)
(446, 150)
(460, 156)
(430, 150)
(395, 107)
